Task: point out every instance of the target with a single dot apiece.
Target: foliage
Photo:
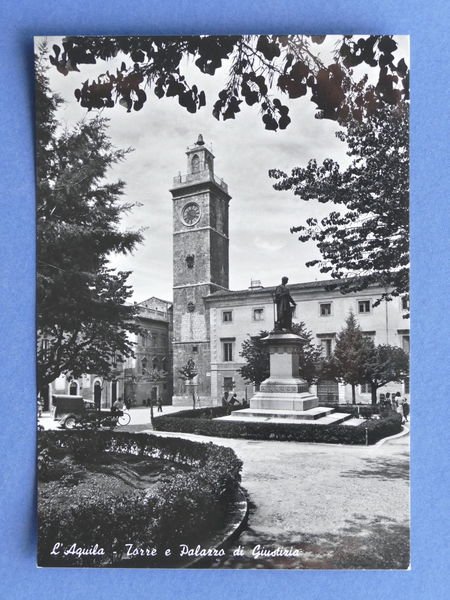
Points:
(83, 318)
(256, 368)
(182, 510)
(367, 241)
(351, 354)
(255, 351)
(189, 422)
(385, 364)
(189, 371)
(258, 67)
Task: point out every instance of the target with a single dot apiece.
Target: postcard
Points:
(223, 301)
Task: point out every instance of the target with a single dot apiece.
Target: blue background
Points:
(427, 23)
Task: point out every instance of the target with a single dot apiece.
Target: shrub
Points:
(185, 508)
(332, 434)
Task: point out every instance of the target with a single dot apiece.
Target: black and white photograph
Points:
(223, 307)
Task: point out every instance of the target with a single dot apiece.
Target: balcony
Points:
(200, 177)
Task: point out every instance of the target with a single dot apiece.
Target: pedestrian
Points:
(225, 399)
(147, 402)
(127, 403)
(405, 406)
(159, 404)
(388, 400)
(233, 400)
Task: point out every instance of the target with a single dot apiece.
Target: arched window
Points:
(195, 163)
(73, 388)
(155, 363)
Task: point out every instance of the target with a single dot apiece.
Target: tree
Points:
(368, 241)
(258, 67)
(188, 372)
(351, 355)
(255, 351)
(83, 317)
(385, 364)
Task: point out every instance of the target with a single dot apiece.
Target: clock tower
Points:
(200, 262)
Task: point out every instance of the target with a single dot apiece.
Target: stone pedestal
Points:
(284, 389)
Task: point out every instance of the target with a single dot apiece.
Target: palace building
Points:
(210, 321)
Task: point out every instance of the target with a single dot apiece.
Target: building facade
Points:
(146, 376)
(236, 316)
(210, 322)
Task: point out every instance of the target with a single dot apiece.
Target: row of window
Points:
(155, 339)
(364, 307)
(327, 343)
(257, 315)
(156, 363)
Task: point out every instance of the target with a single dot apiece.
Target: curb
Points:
(405, 431)
(232, 531)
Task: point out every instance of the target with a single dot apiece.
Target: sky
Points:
(261, 245)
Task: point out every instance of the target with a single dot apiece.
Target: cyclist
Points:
(118, 406)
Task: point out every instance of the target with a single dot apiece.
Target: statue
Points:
(285, 305)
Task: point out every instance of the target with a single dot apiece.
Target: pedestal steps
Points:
(314, 416)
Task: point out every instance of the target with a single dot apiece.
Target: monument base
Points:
(284, 401)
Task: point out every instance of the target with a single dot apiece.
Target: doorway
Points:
(97, 395)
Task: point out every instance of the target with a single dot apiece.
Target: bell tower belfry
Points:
(200, 262)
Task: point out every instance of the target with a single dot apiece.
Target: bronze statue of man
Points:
(285, 306)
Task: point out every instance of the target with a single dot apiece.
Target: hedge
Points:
(184, 509)
(192, 421)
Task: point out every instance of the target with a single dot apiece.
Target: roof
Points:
(263, 291)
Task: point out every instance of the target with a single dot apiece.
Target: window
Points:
(405, 343)
(364, 306)
(365, 388)
(227, 384)
(405, 303)
(325, 309)
(227, 316)
(194, 348)
(227, 351)
(144, 364)
(258, 314)
(370, 335)
(155, 363)
(327, 346)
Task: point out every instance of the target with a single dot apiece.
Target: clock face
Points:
(191, 213)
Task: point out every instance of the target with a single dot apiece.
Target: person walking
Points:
(405, 406)
(399, 409)
(159, 404)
